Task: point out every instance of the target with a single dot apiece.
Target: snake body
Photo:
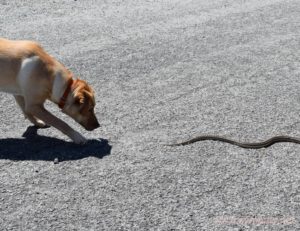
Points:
(263, 144)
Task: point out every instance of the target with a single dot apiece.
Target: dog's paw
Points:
(41, 124)
(78, 138)
(37, 122)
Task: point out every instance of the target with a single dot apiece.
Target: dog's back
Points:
(16, 51)
(12, 55)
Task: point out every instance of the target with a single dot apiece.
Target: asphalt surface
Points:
(163, 71)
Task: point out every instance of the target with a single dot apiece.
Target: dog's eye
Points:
(77, 101)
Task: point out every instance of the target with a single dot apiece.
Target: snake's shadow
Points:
(37, 147)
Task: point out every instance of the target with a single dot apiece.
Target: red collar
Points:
(63, 99)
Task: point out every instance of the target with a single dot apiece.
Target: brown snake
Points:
(263, 144)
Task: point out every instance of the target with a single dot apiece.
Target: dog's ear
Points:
(83, 93)
(79, 99)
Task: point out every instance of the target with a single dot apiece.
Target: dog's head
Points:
(80, 105)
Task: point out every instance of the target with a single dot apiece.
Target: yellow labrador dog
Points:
(33, 76)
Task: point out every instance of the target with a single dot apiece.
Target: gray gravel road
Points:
(163, 71)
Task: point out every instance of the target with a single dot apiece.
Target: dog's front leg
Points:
(40, 112)
(21, 102)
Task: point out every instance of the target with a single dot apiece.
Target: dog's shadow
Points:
(37, 147)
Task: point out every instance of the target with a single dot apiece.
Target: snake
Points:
(256, 145)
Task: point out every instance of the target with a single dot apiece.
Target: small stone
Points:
(56, 161)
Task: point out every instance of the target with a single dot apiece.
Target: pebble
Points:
(56, 161)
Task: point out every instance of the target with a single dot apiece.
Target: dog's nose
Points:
(97, 125)
(92, 124)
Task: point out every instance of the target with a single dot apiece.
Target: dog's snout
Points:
(96, 125)
(92, 126)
